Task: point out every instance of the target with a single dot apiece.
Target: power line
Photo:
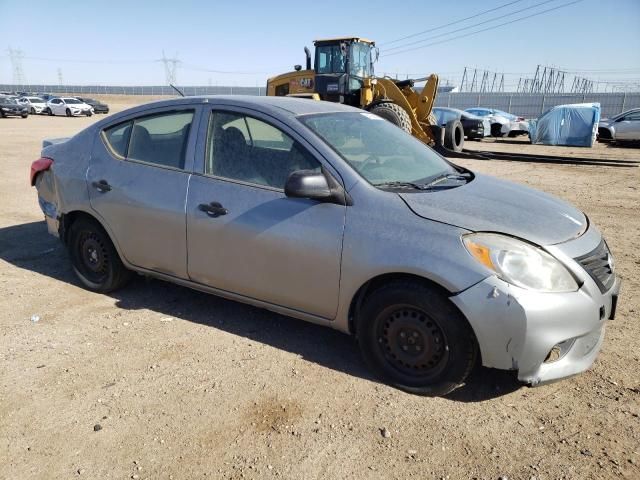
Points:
(451, 23)
(470, 26)
(483, 30)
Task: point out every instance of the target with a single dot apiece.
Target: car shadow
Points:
(30, 247)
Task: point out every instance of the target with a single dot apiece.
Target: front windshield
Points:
(330, 59)
(360, 60)
(71, 101)
(9, 100)
(36, 100)
(377, 149)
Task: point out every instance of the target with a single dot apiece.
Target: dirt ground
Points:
(157, 381)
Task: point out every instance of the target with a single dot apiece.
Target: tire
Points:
(454, 135)
(88, 114)
(415, 339)
(496, 129)
(68, 112)
(48, 111)
(24, 115)
(94, 258)
(394, 113)
(33, 111)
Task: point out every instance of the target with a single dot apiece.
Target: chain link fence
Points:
(532, 105)
(528, 105)
(142, 90)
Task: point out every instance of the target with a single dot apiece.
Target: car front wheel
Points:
(94, 258)
(415, 339)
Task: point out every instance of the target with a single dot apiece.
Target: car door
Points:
(628, 127)
(137, 183)
(58, 106)
(253, 240)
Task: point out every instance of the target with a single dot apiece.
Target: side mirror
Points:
(297, 68)
(316, 186)
(307, 184)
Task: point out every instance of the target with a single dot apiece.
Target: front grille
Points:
(599, 265)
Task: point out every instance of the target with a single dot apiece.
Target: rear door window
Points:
(117, 138)
(159, 139)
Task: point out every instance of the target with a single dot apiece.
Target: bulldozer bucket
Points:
(417, 105)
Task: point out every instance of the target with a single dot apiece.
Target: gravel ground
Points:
(157, 381)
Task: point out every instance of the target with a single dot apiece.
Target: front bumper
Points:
(544, 336)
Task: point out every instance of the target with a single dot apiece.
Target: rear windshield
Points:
(71, 101)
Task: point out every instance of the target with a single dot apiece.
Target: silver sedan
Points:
(624, 127)
(332, 215)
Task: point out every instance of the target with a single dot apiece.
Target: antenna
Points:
(16, 56)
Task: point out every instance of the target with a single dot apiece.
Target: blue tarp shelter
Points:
(574, 125)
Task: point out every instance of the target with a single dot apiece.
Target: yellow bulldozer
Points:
(343, 73)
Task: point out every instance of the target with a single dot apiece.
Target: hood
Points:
(490, 205)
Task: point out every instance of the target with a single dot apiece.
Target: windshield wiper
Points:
(417, 186)
(448, 176)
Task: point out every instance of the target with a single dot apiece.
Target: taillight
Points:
(38, 166)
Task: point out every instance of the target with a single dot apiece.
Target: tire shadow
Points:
(30, 247)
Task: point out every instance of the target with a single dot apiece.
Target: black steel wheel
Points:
(94, 258)
(415, 339)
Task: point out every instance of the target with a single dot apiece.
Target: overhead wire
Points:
(482, 30)
(451, 23)
(470, 26)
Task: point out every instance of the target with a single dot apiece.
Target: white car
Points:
(68, 106)
(35, 104)
(502, 123)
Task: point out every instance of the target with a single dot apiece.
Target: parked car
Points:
(623, 127)
(329, 214)
(502, 123)
(68, 106)
(34, 104)
(474, 127)
(98, 107)
(9, 107)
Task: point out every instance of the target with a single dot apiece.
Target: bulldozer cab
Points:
(341, 65)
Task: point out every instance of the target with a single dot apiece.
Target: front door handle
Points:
(213, 209)
(102, 186)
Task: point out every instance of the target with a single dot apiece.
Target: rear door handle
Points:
(213, 209)
(102, 186)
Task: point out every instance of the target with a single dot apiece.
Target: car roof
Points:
(278, 105)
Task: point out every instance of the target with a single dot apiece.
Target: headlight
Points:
(520, 263)
(6, 109)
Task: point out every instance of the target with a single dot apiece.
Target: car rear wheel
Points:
(94, 258)
(414, 339)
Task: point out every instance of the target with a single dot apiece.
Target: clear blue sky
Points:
(116, 42)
